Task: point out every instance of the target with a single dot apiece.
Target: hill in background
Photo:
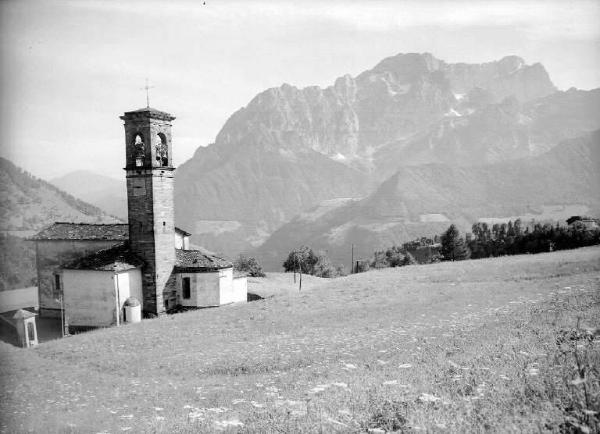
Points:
(423, 201)
(27, 204)
(106, 193)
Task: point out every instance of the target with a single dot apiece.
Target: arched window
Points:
(139, 151)
(162, 151)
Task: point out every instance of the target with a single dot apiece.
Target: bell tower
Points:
(150, 205)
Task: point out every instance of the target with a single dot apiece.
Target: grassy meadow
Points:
(492, 345)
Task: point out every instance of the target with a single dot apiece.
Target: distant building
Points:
(91, 269)
(587, 223)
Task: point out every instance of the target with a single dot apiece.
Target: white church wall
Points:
(207, 289)
(232, 290)
(89, 298)
(128, 284)
(240, 289)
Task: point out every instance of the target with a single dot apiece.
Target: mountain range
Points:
(423, 200)
(410, 117)
(397, 152)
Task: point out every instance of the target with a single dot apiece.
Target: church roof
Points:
(88, 231)
(116, 258)
(84, 231)
(196, 261)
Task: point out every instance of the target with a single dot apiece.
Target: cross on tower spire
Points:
(147, 93)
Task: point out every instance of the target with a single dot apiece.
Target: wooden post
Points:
(352, 261)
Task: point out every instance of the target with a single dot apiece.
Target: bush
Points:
(395, 256)
(361, 266)
(249, 265)
(323, 267)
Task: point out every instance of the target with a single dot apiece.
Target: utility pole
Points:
(352, 261)
(62, 315)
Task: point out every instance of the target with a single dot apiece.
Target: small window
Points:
(31, 331)
(57, 286)
(185, 283)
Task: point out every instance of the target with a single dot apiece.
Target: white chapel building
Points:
(86, 272)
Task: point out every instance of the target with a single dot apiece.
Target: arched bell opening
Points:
(139, 149)
(162, 151)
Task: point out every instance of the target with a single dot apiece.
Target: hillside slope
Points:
(29, 203)
(106, 193)
(26, 205)
(437, 343)
(423, 201)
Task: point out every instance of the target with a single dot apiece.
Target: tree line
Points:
(485, 240)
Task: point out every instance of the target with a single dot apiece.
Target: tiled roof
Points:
(195, 261)
(116, 258)
(182, 232)
(84, 231)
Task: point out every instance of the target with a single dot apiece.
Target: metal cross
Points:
(147, 93)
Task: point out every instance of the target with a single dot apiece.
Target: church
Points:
(88, 273)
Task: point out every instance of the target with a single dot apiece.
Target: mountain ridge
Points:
(408, 109)
(423, 200)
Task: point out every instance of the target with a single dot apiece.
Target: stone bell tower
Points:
(150, 205)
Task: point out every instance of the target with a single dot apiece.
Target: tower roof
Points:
(148, 112)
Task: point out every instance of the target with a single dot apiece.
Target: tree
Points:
(302, 259)
(249, 265)
(453, 246)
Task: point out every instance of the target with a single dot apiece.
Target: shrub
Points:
(361, 266)
(323, 267)
(249, 265)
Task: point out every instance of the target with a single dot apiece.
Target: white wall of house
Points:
(240, 290)
(204, 289)
(231, 290)
(212, 288)
(90, 296)
(128, 284)
(207, 289)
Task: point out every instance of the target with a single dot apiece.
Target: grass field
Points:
(499, 345)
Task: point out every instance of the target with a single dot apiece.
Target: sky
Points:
(69, 69)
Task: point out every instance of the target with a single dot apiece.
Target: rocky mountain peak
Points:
(510, 64)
